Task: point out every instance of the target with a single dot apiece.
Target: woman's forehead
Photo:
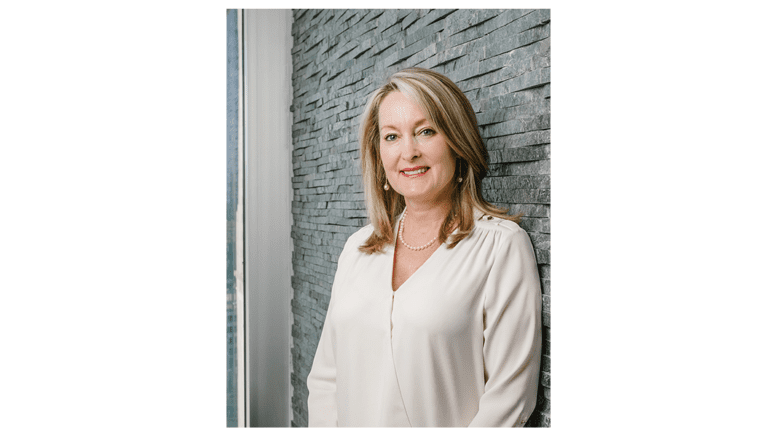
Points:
(398, 108)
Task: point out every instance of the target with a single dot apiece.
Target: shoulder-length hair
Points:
(449, 111)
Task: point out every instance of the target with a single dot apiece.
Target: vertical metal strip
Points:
(290, 294)
(240, 274)
(245, 370)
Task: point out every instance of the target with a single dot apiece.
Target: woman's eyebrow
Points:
(417, 123)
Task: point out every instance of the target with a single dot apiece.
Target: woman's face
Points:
(418, 163)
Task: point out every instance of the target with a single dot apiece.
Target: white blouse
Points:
(458, 344)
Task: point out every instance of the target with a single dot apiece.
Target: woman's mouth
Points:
(414, 171)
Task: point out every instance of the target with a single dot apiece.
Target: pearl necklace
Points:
(402, 239)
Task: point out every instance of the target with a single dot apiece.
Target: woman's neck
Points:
(427, 215)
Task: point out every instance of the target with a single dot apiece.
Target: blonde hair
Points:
(448, 109)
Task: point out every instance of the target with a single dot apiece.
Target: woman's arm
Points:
(322, 387)
(322, 379)
(512, 334)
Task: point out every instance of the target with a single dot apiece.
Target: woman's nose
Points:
(410, 148)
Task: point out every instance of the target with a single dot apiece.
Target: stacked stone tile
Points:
(499, 58)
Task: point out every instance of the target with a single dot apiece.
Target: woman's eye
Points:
(426, 132)
(390, 137)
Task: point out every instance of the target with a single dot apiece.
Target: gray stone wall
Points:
(499, 58)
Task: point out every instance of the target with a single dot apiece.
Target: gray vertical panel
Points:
(268, 214)
(233, 87)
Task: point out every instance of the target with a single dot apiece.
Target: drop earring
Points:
(386, 186)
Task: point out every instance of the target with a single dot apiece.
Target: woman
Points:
(434, 318)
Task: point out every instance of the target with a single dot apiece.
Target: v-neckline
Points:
(394, 255)
(393, 265)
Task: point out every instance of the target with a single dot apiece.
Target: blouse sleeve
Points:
(512, 334)
(322, 379)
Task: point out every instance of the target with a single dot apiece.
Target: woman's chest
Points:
(441, 297)
(407, 262)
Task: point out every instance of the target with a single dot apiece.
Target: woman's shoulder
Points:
(508, 241)
(487, 222)
(359, 237)
(504, 233)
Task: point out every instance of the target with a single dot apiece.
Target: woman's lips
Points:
(415, 171)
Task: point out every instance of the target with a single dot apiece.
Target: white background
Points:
(113, 229)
